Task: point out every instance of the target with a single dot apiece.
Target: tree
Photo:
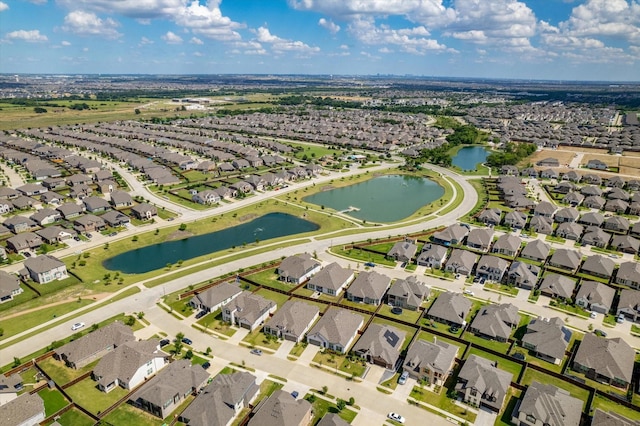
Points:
(341, 403)
(183, 227)
(325, 389)
(16, 361)
(39, 110)
(177, 347)
(140, 315)
(188, 354)
(137, 111)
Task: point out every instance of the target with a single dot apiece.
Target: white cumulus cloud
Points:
(412, 40)
(263, 35)
(329, 25)
(30, 36)
(3, 6)
(196, 40)
(89, 24)
(172, 38)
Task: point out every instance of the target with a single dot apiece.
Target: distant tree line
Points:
(512, 154)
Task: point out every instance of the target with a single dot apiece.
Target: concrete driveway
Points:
(485, 417)
(284, 349)
(375, 373)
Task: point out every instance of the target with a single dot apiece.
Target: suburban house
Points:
(115, 219)
(594, 202)
(547, 338)
(129, 364)
(380, 345)
(89, 223)
(25, 410)
(536, 250)
(566, 215)
(557, 286)
(403, 251)
(574, 199)
(480, 238)
(450, 309)
(168, 389)
(9, 286)
(453, 234)
(96, 204)
(46, 216)
(506, 244)
(292, 320)
(490, 217)
(482, 384)
(569, 230)
(524, 275)
(221, 400)
(19, 224)
(544, 209)
(495, 322)
(70, 210)
(408, 293)
(491, 268)
(54, 234)
(144, 211)
(617, 224)
(207, 196)
(597, 237)
(121, 199)
(605, 360)
(628, 304)
(595, 296)
(461, 262)
(298, 268)
(598, 266)
(541, 225)
(248, 310)
(95, 345)
(331, 280)
(591, 219)
(565, 259)
(336, 330)
(24, 242)
(369, 287)
(429, 361)
(45, 268)
(331, 419)
(214, 297)
(625, 244)
(432, 256)
(545, 404)
(283, 409)
(515, 219)
(629, 274)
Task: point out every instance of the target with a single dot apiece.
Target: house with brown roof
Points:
(248, 310)
(547, 338)
(89, 223)
(298, 268)
(331, 280)
(144, 211)
(292, 320)
(605, 360)
(168, 389)
(336, 330)
(369, 287)
(482, 384)
(430, 361)
(95, 345)
(380, 345)
(282, 409)
(129, 364)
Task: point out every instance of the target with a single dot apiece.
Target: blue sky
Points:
(526, 39)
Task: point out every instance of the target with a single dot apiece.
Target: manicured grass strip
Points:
(534, 375)
(60, 373)
(322, 406)
(441, 400)
(53, 401)
(86, 394)
(74, 417)
(503, 364)
(608, 405)
(128, 415)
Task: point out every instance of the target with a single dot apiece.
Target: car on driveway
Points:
(256, 352)
(77, 326)
(201, 314)
(295, 394)
(600, 333)
(396, 417)
(403, 378)
(206, 365)
(593, 315)
(164, 342)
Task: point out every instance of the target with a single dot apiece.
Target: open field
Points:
(609, 160)
(563, 157)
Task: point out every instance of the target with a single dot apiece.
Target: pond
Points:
(381, 199)
(469, 157)
(149, 258)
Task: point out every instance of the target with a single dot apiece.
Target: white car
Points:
(77, 326)
(469, 292)
(395, 416)
(593, 315)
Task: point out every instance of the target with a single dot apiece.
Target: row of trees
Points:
(512, 154)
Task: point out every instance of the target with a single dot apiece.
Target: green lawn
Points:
(258, 338)
(322, 407)
(86, 394)
(486, 343)
(366, 307)
(508, 290)
(406, 315)
(53, 401)
(279, 298)
(355, 367)
(441, 400)
(503, 364)
(126, 415)
(213, 321)
(74, 417)
(533, 375)
(267, 387)
(364, 256)
(269, 278)
(60, 373)
(608, 405)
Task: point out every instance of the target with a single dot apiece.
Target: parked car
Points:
(600, 333)
(396, 417)
(620, 319)
(256, 352)
(113, 234)
(469, 292)
(404, 265)
(164, 342)
(77, 326)
(403, 378)
(187, 341)
(206, 365)
(593, 315)
(295, 394)
(370, 264)
(200, 314)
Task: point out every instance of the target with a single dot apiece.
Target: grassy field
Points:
(126, 415)
(53, 401)
(62, 374)
(74, 417)
(441, 400)
(532, 375)
(503, 364)
(86, 394)
(322, 406)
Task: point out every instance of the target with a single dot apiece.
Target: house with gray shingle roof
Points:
(480, 238)
(574, 199)
(567, 214)
(495, 321)
(45, 268)
(25, 410)
(332, 419)
(461, 262)
(144, 211)
(453, 234)
(96, 204)
(536, 250)
(369, 287)
(89, 223)
(95, 345)
(54, 234)
(523, 275)
(482, 384)
(544, 404)
(557, 286)
(19, 224)
(545, 209)
(625, 243)
(591, 219)
(569, 230)
(221, 400)
(129, 364)
(298, 268)
(547, 338)
(594, 202)
(331, 280)
(403, 251)
(617, 224)
(629, 304)
(605, 360)
(168, 389)
(598, 266)
(490, 217)
(9, 286)
(336, 330)
(515, 219)
(282, 409)
(408, 293)
(617, 194)
(432, 256)
(430, 361)
(380, 345)
(121, 199)
(597, 237)
(46, 216)
(70, 210)
(506, 244)
(248, 310)
(24, 242)
(292, 320)
(617, 206)
(566, 259)
(541, 225)
(595, 296)
(629, 274)
(214, 297)
(491, 268)
(609, 418)
(115, 218)
(572, 176)
(450, 309)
